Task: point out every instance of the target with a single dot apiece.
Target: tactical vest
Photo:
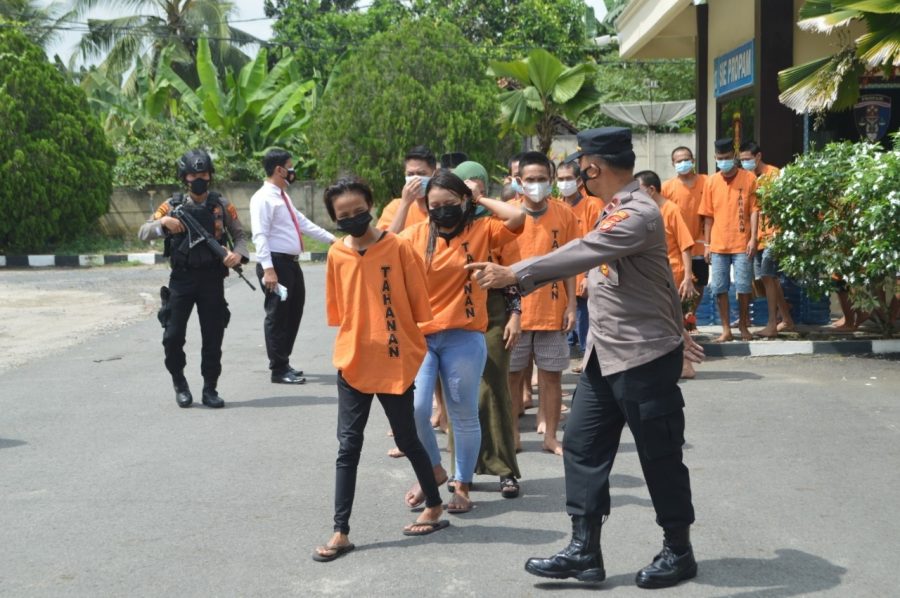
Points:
(199, 257)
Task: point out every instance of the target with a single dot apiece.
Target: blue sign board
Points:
(735, 70)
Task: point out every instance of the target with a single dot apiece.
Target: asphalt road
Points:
(107, 488)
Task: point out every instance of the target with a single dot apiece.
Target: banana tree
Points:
(260, 106)
(832, 82)
(539, 89)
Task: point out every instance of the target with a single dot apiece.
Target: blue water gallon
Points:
(759, 311)
(706, 310)
(816, 312)
(793, 294)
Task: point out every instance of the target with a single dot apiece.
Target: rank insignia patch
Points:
(612, 220)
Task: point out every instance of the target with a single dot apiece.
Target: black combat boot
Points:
(211, 398)
(674, 564)
(182, 393)
(581, 559)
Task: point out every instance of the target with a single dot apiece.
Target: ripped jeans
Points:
(459, 357)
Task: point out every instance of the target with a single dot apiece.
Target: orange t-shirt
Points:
(587, 211)
(544, 308)
(766, 231)
(678, 238)
(729, 202)
(688, 199)
(414, 216)
(377, 301)
(457, 302)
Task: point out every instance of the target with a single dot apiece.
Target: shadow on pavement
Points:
(475, 534)
(791, 573)
(9, 443)
(282, 402)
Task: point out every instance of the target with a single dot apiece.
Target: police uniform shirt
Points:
(273, 228)
(635, 312)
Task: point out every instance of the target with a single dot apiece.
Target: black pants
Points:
(648, 399)
(353, 413)
(205, 289)
(283, 317)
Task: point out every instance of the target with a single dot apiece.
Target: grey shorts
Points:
(549, 348)
(764, 264)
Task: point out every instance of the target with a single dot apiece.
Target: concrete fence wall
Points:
(130, 208)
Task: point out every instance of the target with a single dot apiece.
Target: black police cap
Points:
(724, 145)
(605, 141)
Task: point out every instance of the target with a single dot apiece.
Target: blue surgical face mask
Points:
(725, 165)
(684, 167)
(748, 164)
(424, 181)
(514, 184)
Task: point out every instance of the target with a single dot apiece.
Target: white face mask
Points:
(424, 181)
(537, 191)
(567, 188)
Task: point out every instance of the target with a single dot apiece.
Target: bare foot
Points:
(725, 337)
(767, 332)
(460, 502)
(541, 427)
(396, 453)
(745, 334)
(785, 326)
(427, 516)
(841, 323)
(687, 370)
(415, 497)
(552, 445)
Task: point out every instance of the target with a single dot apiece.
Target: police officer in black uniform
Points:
(197, 272)
(630, 370)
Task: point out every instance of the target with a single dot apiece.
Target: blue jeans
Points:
(459, 357)
(721, 273)
(582, 322)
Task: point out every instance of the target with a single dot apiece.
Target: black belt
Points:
(286, 256)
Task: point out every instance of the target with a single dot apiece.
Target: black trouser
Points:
(283, 317)
(648, 399)
(353, 413)
(205, 289)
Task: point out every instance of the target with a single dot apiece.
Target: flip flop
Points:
(338, 551)
(432, 526)
(458, 510)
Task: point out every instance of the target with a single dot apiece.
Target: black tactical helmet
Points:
(194, 161)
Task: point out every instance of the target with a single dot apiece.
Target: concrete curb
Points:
(97, 260)
(775, 348)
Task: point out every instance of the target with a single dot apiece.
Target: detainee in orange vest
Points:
(374, 296)
(679, 242)
(765, 264)
(419, 165)
(452, 238)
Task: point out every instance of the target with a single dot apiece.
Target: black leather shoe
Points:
(212, 399)
(298, 373)
(183, 395)
(581, 559)
(288, 378)
(667, 569)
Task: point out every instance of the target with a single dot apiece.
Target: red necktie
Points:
(290, 208)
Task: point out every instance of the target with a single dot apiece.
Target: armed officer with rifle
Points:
(203, 239)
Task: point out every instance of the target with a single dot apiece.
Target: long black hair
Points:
(444, 179)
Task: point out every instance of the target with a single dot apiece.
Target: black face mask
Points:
(446, 216)
(291, 176)
(199, 186)
(355, 226)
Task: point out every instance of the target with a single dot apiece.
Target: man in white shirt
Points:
(278, 229)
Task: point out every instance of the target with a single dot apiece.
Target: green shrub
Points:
(55, 163)
(838, 212)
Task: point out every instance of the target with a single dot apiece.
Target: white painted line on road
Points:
(41, 261)
(143, 258)
(90, 260)
(881, 347)
(771, 348)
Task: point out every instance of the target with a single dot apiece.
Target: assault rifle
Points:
(197, 234)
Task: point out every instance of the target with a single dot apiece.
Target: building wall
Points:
(660, 144)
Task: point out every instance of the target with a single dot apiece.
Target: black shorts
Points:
(700, 269)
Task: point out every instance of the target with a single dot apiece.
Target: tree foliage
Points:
(323, 31)
(832, 82)
(55, 162)
(837, 211)
(419, 83)
(540, 89)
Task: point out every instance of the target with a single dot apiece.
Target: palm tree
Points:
(158, 24)
(39, 22)
(539, 90)
(832, 82)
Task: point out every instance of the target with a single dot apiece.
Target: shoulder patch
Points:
(612, 220)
